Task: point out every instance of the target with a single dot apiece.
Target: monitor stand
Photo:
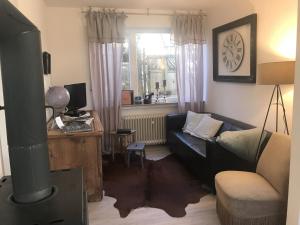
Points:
(75, 113)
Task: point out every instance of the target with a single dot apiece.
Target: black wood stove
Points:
(65, 206)
(32, 195)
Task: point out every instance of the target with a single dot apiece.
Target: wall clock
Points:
(234, 51)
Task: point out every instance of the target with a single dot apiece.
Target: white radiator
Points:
(150, 128)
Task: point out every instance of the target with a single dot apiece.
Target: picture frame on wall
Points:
(234, 51)
(127, 97)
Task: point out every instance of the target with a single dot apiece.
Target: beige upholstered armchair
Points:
(260, 198)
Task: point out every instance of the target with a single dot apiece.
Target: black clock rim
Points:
(252, 20)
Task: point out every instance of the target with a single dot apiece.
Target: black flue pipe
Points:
(23, 91)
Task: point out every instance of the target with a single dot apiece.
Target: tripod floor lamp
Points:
(276, 73)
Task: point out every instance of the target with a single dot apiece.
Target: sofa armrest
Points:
(219, 159)
(175, 121)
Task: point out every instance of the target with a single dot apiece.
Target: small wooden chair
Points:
(120, 141)
(136, 147)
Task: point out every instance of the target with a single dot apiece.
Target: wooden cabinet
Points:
(80, 149)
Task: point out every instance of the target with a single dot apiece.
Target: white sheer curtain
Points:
(106, 34)
(189, 38)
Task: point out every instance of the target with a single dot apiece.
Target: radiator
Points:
(150, 128)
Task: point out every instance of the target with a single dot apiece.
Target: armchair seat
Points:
(247, 195)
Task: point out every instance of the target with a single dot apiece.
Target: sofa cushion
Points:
(192, 121)
(243, 143)
(247, 195)
(196, 144)
(207, 128)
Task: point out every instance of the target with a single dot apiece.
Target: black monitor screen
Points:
(77, 96)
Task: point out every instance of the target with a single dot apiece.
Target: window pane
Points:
(156, 63)
(126, 67)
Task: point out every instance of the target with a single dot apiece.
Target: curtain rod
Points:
(148, 13)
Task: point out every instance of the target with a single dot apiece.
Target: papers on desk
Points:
(89, 121)
(62, 122)
(80, 118)
(59, 122)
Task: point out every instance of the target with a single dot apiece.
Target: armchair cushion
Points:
(274, 163)
(247, 195)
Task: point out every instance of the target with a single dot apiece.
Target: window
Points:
(148, 63)
(125, 67)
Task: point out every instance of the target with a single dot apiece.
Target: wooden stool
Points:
(121, 140)
(136, 147)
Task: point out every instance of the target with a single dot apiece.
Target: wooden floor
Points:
(201, 213)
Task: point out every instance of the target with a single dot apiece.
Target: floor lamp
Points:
(275, 73)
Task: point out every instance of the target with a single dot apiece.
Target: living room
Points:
(64, 35)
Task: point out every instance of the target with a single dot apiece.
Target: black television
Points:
(77, 98)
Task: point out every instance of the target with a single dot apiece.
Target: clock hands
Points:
(233, 51)
(229, 49)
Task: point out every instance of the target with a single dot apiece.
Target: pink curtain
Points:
(189, 38)
(106, 33)
(189, 77)
(105, 67)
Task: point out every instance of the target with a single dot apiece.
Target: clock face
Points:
(233, 51)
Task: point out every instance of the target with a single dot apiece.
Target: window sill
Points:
(153, 105)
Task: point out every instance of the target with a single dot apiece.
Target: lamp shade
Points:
(276, 73)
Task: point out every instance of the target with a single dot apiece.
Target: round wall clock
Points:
(233, 51)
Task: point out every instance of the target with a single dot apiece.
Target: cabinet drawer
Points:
(66, 153)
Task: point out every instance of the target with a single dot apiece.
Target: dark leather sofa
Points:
(206, 158)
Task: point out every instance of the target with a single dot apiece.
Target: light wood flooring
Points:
(201, 213)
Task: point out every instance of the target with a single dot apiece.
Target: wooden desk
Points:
(81, 149)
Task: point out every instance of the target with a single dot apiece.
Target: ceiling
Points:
(138, 4)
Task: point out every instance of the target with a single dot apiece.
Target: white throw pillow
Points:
(192, 120)
(207, 128)
(243, 143)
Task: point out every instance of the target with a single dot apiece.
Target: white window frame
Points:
(131, 37)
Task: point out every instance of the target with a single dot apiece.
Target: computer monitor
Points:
(77, 96)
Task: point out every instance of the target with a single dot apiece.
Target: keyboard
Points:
(77, 127)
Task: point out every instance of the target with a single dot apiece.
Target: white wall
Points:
(248, 102)
(34, 10)
(66, 33)
(294, 191)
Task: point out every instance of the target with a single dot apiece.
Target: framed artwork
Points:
(127, 97)
(234, 51)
